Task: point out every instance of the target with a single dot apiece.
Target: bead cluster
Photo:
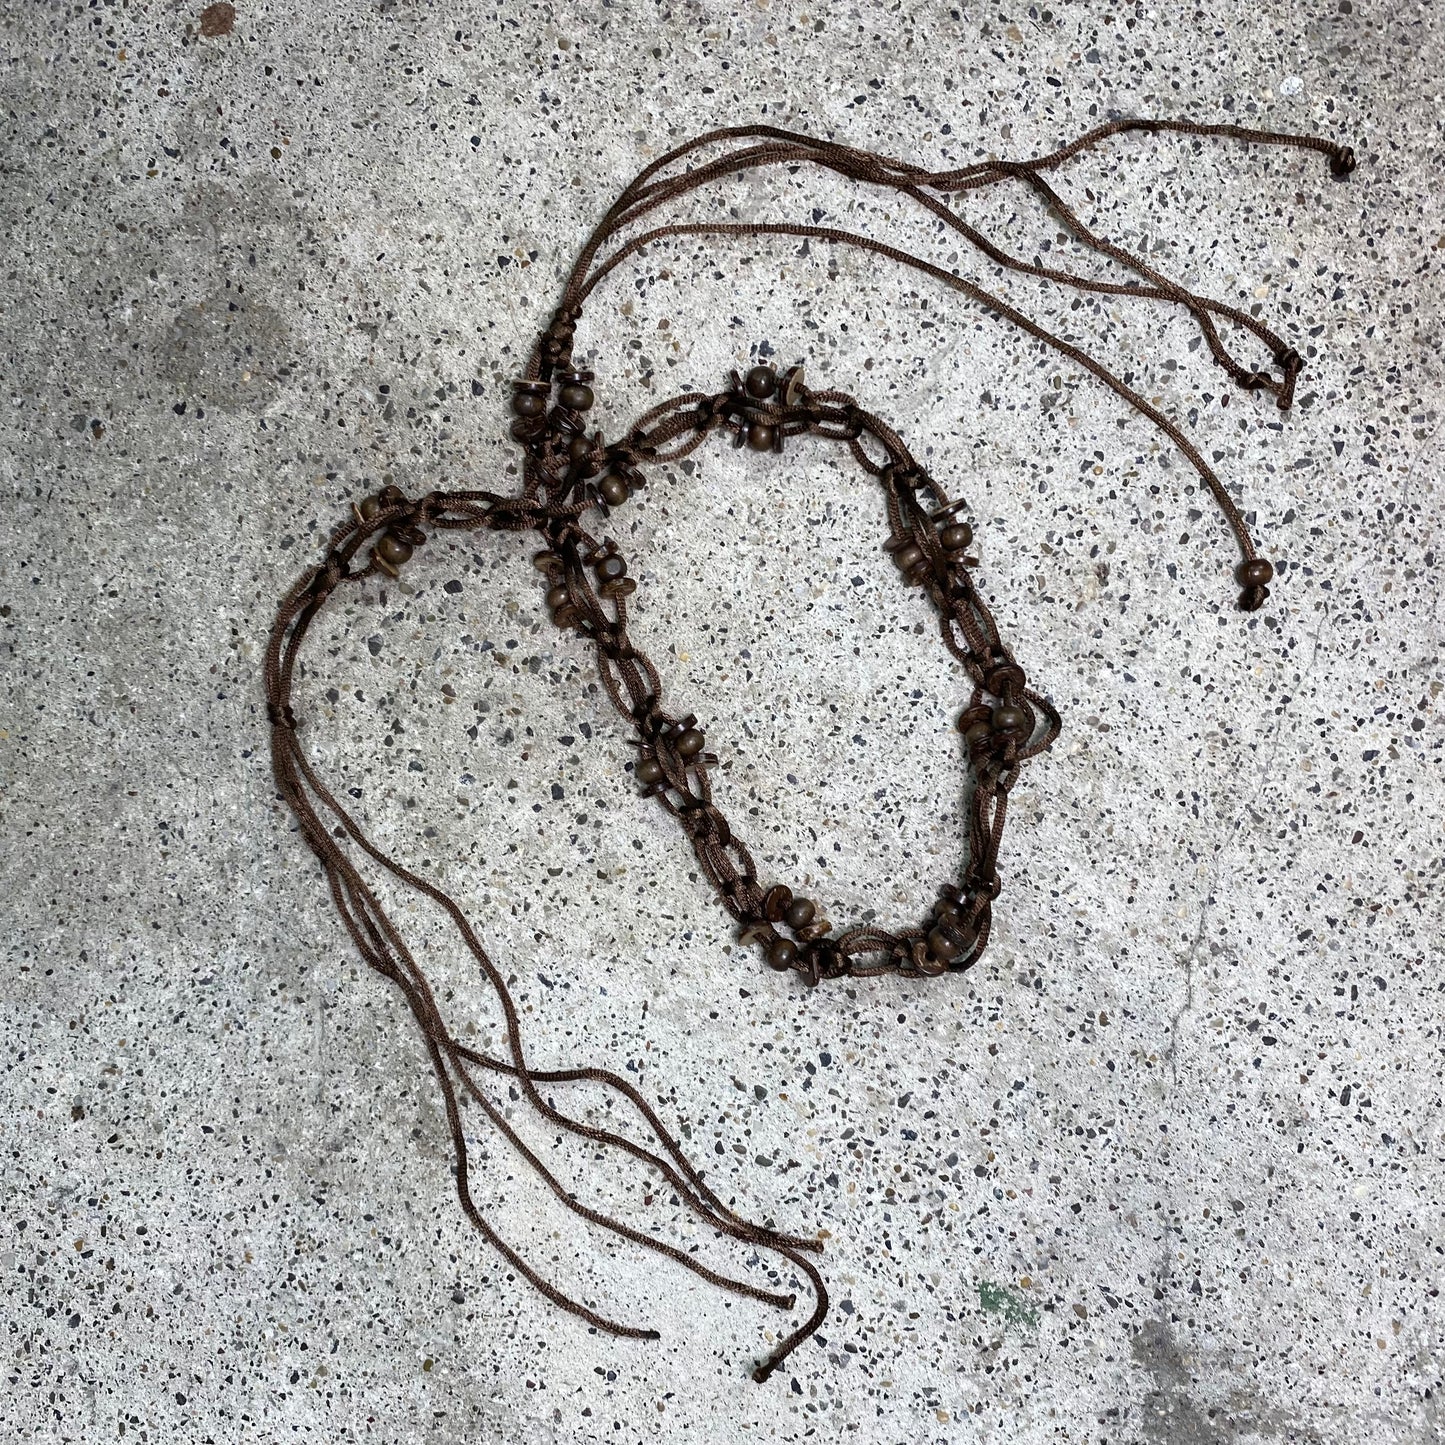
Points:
(557, 438)
(398, 543)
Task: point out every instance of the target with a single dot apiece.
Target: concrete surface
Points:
(1167, 1167)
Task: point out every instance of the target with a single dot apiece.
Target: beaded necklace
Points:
(572, 480)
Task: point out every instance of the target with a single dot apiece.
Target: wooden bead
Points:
(941, 946)
(614, 491)
(947, 909)
(529, 403)
(907, 558)
(782, 953)
(612, 566)
(977, 733)
(799, 913)
(761, 382)
(690, 743)
(956, 537)
(1009, 719)
(760, 436)
(558, 596)
(777, 903)
(649, 770)
(369, 507)
(1254, 574)
(576, 395)
(392, 550)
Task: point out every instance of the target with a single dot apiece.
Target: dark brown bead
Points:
(956, 537)
(799, 913)
(612, 566)
(930, 966)
(566, 616)
(907, 558)
(576, 395)
(528, 403)
(392, 550)
(614, 491)
(942, 947)
(760, 436)
(619, 587)
(558, 596)
(369, 507)
(782, 953)
(1009, 719)
(649, 770)
(761, 382)
(578, 448)
(777, 903)
(690, 743)
(977, 733)
(1254, 574)
(545, 561)
(947, 909)
(1005, 680)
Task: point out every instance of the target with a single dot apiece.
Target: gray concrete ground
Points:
(1166, 1167)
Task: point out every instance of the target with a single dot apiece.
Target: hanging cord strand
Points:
(785, 147)
(990, 302)
(382, 946)
(687, 1183)
(855, 165)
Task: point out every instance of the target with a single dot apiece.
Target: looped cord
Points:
(566, 476)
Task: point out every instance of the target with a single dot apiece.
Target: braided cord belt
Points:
(571, 483)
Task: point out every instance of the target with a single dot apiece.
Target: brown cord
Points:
(568, 476)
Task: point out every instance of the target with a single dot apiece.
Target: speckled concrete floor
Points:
(1166, 1167)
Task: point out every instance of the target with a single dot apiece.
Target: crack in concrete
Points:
(1266, 771)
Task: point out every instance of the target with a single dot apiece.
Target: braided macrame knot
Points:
(986, 885)
(282, 716)
(557, 339)
(1291, 363)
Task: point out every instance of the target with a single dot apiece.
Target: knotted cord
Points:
(569, 477)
